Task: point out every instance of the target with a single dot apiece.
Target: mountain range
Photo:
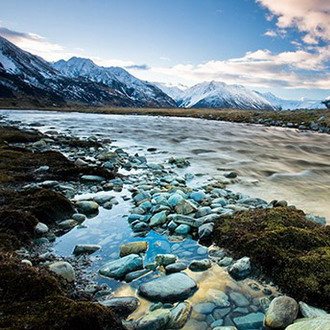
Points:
(79, 81)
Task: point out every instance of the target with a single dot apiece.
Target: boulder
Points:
(169, 288)
(119, 268)
(282, 312)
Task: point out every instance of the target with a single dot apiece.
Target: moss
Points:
(15, 135)
(33, 298)
(285, 246)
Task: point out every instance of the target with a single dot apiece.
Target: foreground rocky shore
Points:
(254, 240)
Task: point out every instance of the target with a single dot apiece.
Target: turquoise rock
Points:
(119, 268)
(183, 229)
(250, 321)
(158, 219)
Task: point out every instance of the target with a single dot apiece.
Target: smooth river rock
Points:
(240, 268)
(87, 207)
(250, 321)
(85, 248)
(133, 248)
(63, 269)
(309, 311)
(179, 315)
(317, 323)
(155, 320)
(200, 265)
(282, 312)
(170, 288)
(122, 306)
(119, 268)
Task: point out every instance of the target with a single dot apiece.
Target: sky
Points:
(282, 46)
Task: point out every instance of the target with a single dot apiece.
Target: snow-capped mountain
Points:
(26, 76)
(216, 94)
(284, 104)
(174, 91)
(220, 95)
(116, 78)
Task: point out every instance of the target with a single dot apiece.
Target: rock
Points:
(133, 248)
(174, 200)
(185, 207)
(101, 200)
(220, 313)
(282, 312)
(218, 297)
(92, 178)
(179, 315)
(317, 323)
(225, 328)
(155, 320)
(85, 248)
(26, 262)
(119, 268)
(67, 224)
(123, 306)
(309, 311)
(79, 217)
(182, 229)
(203, 211)
(217, 323)
(141, 197)
(87, 207)
(172, 225)
(204, 308)
(134, 275)
(165, 259)
(205, 231)
(239, 299)
(231, 175)
(226, 261)
(198, 196)
(140, 226)
(41, 228)
(169, 288)
(200, 265)
(250, 321)
(181, 219)
(63, 269)
(240, 268)
(80, 162)
(176, 267)
(158, 219)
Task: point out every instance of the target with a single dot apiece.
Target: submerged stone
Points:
(200, 265)
(169, 288)
(250, 321)
(179, 315)
(165, 259)
(155, 320)
(175, 267)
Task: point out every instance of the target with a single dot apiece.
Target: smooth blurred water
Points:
(274, 163)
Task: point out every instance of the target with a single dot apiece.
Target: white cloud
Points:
(308, 16)
(299, 69)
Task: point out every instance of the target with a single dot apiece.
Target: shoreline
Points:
(312, 120)
(281, 208)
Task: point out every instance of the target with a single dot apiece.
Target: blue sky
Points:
(252, 42)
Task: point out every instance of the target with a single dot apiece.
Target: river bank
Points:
(163, 201)
(315, 120)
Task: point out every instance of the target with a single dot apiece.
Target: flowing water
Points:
(273, 163)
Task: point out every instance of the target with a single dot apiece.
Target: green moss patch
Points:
(292, 251)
